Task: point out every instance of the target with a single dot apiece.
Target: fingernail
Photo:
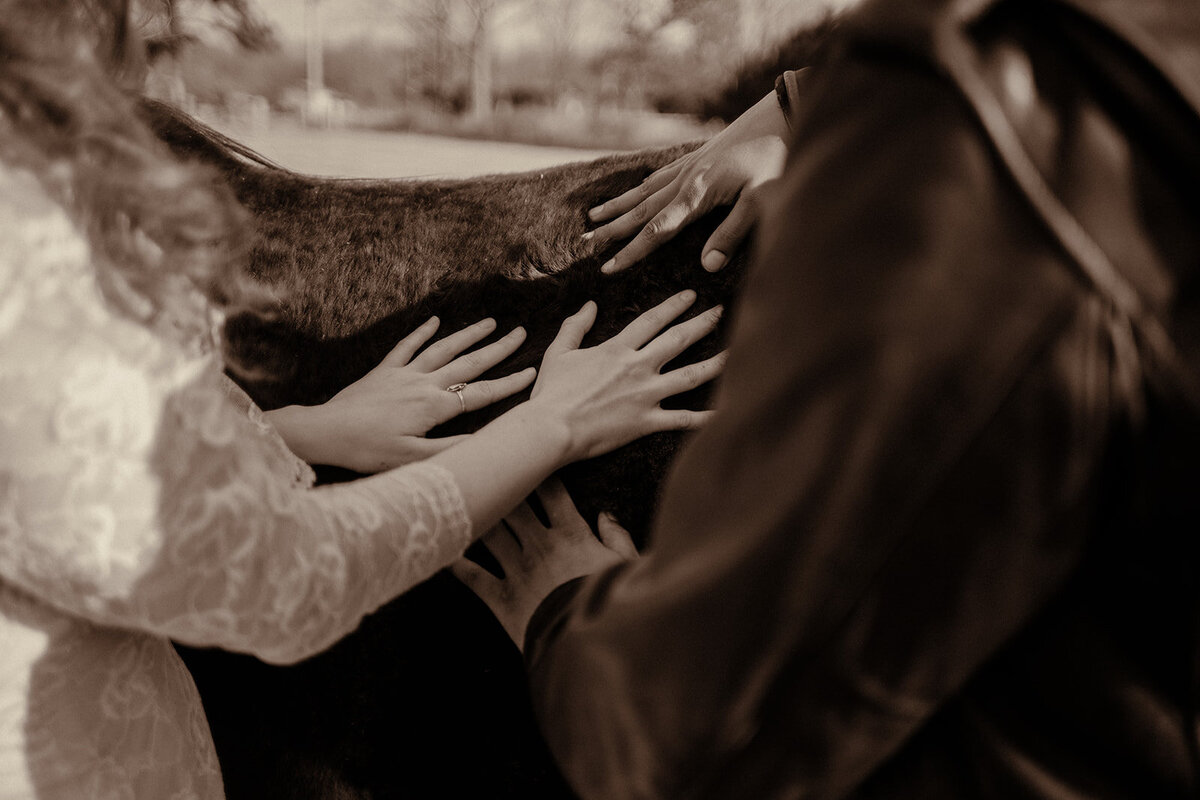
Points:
(587, 237)
(717, 311)
(713, 260)
(595, 212)
(517, 331)
(609, 266)
(687, 295)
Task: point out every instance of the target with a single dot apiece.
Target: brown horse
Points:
(426, 698)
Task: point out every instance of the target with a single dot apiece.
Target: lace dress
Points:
(143, 497)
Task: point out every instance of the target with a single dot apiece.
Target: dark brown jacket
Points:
(924, 551)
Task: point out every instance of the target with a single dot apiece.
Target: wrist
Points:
(547, 432)
(301, 428)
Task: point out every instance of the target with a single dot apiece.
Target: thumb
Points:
(573, 329)
(729, 234)
(615, 537)
(476, 578)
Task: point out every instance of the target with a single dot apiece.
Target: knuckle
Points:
(694, 189)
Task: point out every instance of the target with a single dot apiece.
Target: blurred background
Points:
(398, 88)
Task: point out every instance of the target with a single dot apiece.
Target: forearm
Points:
(504, 461)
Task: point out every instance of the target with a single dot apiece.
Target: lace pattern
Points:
(141, 490)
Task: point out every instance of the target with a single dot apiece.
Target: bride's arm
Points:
(134, 492)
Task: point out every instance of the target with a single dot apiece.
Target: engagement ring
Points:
(458, 390)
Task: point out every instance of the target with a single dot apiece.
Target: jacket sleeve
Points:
(909, 415)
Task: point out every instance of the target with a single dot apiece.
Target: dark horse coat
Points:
(426, 698)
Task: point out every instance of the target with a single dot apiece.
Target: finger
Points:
(636, 218)
(729, 234)
(680, 337)
(560, 508)
(527, 530)
(688, 204)
(667, 172)
(573, 329)
(653, 182)
(677, 419)
(503, 546)
(439, 354)
(480, 394)
(615, 537)
(409, 345)
(472, 365)
(649, 323)
(689, 377)
(477, 579)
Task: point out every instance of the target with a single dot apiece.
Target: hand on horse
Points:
(537, 559)
(729, 168)
(380, 421)
(608, 395)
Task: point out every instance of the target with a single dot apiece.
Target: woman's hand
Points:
(732, 166)
(537, 559)
(380, 421)
(609, 394)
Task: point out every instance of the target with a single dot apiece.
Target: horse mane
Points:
(185, 133)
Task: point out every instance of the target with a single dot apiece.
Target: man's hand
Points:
(537, 559)
(729, 168)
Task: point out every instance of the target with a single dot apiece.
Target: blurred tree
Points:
(449, 39)
(168, 30)
(482, 91)
(806, 46)
(559, 23)
(429, 50)
(167, 27)
(627, 63)
(314, 54)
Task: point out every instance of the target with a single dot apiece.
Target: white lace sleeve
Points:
(135, 492)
